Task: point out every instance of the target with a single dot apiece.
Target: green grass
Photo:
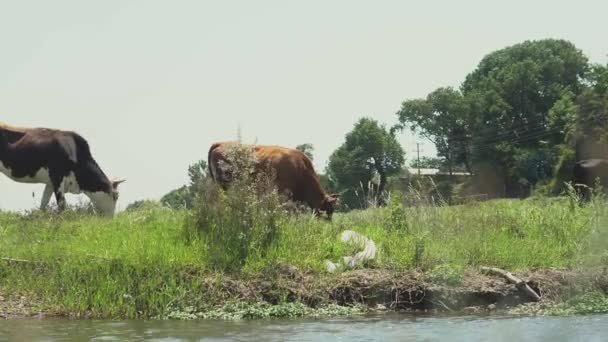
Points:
(142, 263)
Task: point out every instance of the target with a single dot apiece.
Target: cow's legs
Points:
(56, 180)
(59, 196)
(46, 196)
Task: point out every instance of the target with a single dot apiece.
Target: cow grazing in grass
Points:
(586, 172)
(59, 159)
(292, 170)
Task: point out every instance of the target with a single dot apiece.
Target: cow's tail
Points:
(210, 168)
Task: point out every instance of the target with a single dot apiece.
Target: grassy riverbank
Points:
(151, 262)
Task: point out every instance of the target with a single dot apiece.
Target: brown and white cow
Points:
(59, 159)
(293, 171)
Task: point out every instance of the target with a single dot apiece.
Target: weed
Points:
(446, 274)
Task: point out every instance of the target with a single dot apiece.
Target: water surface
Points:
(384, 328)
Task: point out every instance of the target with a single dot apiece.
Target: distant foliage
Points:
(307, 149)
(590, 129)
(368, 156)
(443, 118)
(517, 116)
(141, 204)
(183, 197)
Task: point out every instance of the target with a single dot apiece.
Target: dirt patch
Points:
(17, 305)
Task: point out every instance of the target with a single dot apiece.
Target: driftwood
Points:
(520, 284)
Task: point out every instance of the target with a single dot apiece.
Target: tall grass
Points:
(147, 260)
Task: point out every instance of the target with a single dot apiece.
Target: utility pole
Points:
(418, 157)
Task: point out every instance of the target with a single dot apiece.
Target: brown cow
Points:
(293, 171)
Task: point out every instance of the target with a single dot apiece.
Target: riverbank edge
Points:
(366, 290)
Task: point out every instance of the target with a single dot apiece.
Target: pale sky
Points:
(151, 84)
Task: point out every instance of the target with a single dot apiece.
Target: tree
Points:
(197, 172)
(307, 149)
(178, 198)
(183, 197)
(368, 156)
(519, 99)
(590, 129)
(441, 118)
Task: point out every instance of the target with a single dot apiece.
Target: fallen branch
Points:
(17, 260)
(520, 284)
(437, 301)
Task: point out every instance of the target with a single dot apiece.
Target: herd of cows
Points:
(62, 161)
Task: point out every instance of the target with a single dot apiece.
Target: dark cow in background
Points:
(586, 172)
(60, 159)
(293, 170)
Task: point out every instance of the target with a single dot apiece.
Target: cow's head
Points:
(105, 201)
(329, 204)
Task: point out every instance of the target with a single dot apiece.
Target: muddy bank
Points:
(17, 305)
(411, 290)
(375, 289)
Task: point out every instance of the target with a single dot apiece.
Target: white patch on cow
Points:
(41, 176)
(104, 202)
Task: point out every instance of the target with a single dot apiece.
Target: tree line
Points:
(518, 121)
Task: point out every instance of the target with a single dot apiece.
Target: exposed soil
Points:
(17, 305)
(408, 291)
(378, 289)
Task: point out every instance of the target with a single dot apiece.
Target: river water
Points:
(384, 328)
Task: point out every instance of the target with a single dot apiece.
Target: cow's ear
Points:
(117, 182)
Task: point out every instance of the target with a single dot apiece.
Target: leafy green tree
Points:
(197, 172)
(307, 149)
(368, 156)
(591, 126)
(443, 119)
(582, 122)
(520, 101)
(178, 198)
(183, 197)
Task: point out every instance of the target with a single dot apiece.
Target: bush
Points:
(241, 220)
(447, 274)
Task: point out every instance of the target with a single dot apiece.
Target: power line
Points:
(532, 125)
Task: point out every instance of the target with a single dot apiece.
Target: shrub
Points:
(446, 274)
(244, 218)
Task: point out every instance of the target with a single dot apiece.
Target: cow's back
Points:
(293, 170)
